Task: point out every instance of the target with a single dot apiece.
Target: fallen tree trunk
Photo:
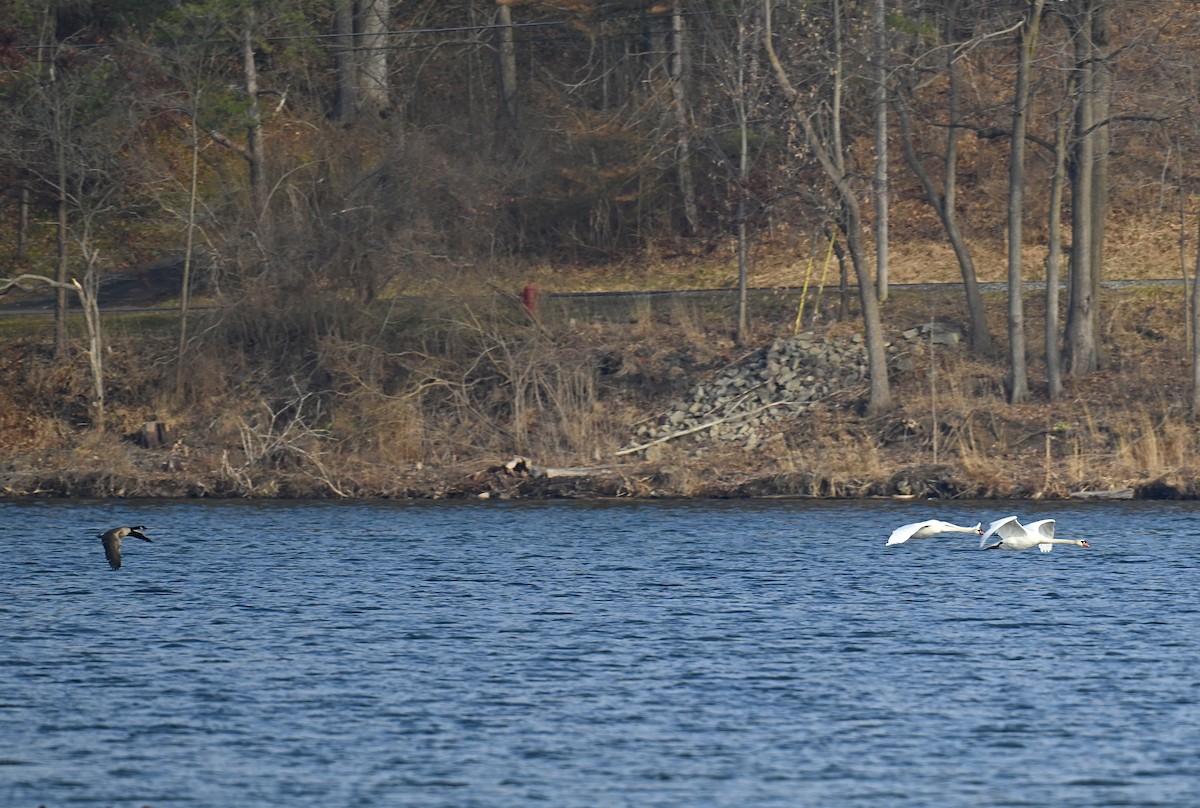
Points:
(699, 428)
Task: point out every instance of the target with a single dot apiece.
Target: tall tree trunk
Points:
(374, 88)
(23, 223)
(345, 64)
(880, 397)
(59, 127)
(742, 112)
(185, 286)
(508, 69)
(881, 152)
(473, 75)
(1054, 385)
(843, 312)
(255, 148)
(1082, 356)
(1018, 379)
(837, 153)
(1196, 329)
(89, 298)
(1101, 98)
(830, 156)
(683, 143)
(60, 245)
(743, 316)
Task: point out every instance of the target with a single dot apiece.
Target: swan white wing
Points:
(1008, 528)
(1041, 529)
(906, 532)
(999, 530)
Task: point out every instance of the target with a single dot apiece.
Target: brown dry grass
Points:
(1141, 249)
(435, 412)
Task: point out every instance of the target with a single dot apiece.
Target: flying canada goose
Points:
(111, 539)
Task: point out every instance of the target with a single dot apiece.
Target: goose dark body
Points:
(111, 539)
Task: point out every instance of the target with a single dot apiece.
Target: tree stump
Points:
(156, 434)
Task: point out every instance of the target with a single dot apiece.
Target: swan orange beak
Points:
(1083, 543)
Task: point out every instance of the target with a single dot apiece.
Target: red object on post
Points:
(529, 297)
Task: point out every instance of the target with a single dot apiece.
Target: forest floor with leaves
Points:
(1123, 431)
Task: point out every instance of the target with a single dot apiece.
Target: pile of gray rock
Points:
(778, 381)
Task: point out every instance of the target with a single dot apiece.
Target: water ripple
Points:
(576, 654)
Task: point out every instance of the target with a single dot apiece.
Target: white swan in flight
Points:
(1009, 534)
(930, 527)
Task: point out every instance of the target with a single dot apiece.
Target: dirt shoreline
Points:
(500, 481)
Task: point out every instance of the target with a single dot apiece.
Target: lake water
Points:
(604, 654)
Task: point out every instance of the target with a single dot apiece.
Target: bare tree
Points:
(91, 316)
(1018, 380)
(1054, 383)
(944, 200)
(679, 100)
(245, 29)
(56, 93)
(829, 152)
(1102, 87)
(186, 56)
(1195, 328)
(374, 90)
(742, 88)
(242, 26)
(879, 21)
(63, 128)
(507, 53)
(346, 66)
(255, 151)
(1088, 201)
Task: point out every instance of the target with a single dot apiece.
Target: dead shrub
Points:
(1149, 448)
(516, 388)
(378, 428)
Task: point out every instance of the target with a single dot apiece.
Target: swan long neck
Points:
(1075, 542)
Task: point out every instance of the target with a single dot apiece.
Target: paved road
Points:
(127, 294)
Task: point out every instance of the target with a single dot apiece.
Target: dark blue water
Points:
(687, 654)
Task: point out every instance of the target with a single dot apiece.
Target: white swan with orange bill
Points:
(930, 527)
(1009, 534)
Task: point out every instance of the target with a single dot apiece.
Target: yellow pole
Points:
(824, 273)
(803, 295)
